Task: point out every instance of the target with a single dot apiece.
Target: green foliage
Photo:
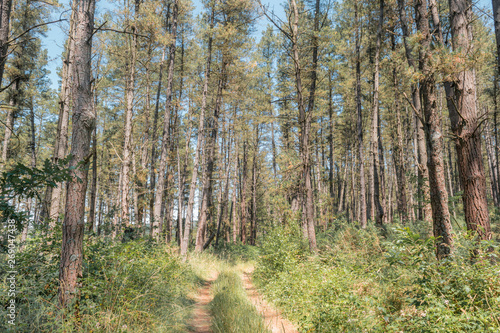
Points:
(282, 249)
(359, 283)
(22, 181)
(135, 286)
(234, 253)
(232, 311)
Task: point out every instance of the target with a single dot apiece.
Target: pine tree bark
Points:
(465, 123)
(83, 125)
(432, 124)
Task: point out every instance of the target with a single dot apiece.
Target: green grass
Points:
(362, 282)
(231, 309)
(138, 286)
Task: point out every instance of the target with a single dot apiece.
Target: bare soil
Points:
(201, 321)
(272, 318)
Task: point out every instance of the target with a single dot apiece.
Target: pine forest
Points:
(250, 166)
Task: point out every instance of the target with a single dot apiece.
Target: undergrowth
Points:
(137, 286)
(362, 282)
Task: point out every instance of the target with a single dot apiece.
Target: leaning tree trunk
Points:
(83, 125)
(465, 123)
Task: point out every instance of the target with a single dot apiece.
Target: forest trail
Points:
(201, 321)
(272, 318)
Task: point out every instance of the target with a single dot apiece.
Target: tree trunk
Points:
(127, 130)
(210, 148)
(359, 124)
(162, 178)
(423, 191)
(83, 125)
(465, 124)
(199, 145)
(243, 198)
(375, 125)
(5, 10)
(434, 137)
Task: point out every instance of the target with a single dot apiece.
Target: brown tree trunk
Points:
(375, 125)
(434, 137)
(83, 125)
(253, 212)
(424, 206)
(359, 124)
(398, 150)
(465, 124)
(243, 197)
(210, 148)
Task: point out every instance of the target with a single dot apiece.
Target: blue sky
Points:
(56, 35)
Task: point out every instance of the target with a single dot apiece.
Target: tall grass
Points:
(138, 286)
(363, 282)
(231, 310)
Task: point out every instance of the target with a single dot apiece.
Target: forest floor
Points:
(202, 319)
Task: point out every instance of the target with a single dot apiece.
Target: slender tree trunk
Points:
(199, 145)
(5, 10)
(305, 119)
(210, 148)
(491, 164)
(375, 124)
(243, 198)
(12, 111)
(129, 110)
(152, 172)
(83, 125)
(423, 190)
(359, 123)
(465, 124)
(398, 150)
(253, 212)
(93, 188)
(162, 179)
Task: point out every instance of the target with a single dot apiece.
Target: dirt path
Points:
(274, 321)
(201, 321)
